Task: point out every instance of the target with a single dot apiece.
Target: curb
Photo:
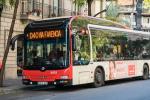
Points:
(10, 90)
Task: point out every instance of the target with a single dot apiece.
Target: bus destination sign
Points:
(50, 34)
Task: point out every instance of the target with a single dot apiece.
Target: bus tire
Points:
(98, 78)
(145, 72)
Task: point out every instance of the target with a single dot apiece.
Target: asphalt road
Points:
(114, 90)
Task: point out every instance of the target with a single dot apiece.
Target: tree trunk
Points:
(8, 43)
(89, 7)
(75, 7)
(42, 9)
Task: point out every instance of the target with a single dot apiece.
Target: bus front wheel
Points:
(98, 78)
(145, 72)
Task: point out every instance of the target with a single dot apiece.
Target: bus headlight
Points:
(64, 77)
(25, 77)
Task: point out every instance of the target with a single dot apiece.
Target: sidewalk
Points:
(11, 86)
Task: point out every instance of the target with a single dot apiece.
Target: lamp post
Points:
(138, 14)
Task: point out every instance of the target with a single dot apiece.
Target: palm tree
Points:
(15, 3)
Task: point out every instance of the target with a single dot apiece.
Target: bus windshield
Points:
(51, 53)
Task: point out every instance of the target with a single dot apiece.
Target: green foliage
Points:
(11, 2)
(80, 23)
(85, 55)
(146, 4)
(80, 3)
(112, 12)
(83, 22)
(99, 39)
(3, 2)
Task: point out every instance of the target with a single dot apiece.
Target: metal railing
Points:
(27, 8)
(132, 9)
(126, 8)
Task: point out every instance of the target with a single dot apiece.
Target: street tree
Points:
(89, 2)
(80, 3)
(112, 12)
(146, 4)
(15, 3)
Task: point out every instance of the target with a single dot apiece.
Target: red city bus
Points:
(81, 50)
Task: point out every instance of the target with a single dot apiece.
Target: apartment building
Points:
(127, 12)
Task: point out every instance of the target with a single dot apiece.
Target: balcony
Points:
(32, 11)
(146, 10)
(31, 15)
(126, 9)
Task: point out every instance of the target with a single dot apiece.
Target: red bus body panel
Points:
(48, 75)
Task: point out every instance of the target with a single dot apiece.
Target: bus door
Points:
(81, 59)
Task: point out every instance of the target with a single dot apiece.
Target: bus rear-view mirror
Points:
(18, 39)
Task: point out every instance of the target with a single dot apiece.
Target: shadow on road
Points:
(122, 81)
(53, 88)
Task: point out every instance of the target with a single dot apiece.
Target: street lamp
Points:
(138, 14)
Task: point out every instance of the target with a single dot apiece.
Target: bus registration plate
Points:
(42, 83)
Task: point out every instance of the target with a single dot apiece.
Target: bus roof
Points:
(61, 17)
(129, 31)
(83, 21)
(47, 23)
(53, 22)
(102, 19)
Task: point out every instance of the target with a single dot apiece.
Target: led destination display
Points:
(51, 34)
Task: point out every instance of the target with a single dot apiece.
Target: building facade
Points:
(5, 23)
(127, 12)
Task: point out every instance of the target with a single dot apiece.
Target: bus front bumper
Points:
(63, 82)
